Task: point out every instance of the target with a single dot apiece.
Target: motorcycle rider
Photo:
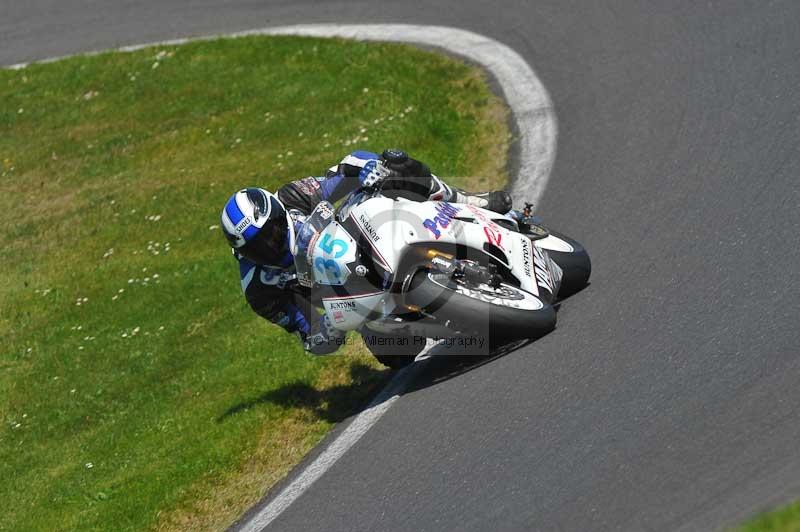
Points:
(261, 227)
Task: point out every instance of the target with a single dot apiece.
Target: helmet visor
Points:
(270, 246)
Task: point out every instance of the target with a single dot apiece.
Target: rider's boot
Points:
(496, 200)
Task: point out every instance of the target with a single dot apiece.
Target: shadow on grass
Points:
(336, 403)
(332, 404)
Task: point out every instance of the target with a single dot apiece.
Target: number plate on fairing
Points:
(333, 251)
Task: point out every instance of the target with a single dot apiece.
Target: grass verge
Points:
(785, 519)
(139, 390)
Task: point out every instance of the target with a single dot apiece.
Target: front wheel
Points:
(574, 263)
(502, 313)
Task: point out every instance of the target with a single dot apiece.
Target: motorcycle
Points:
(400, 271)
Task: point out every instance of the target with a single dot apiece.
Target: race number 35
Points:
(327, 244)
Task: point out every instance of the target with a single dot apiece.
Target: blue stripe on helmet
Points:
(233, 210)
(250, 232)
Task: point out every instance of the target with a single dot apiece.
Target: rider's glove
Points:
(372, 173)
(326, 341)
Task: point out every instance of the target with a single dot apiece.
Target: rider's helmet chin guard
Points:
(258, 227)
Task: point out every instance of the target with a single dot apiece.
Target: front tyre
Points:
(500, 314)
(575, 264)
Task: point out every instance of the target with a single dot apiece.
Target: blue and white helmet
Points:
(258, 227)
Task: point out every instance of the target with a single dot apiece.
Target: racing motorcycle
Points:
(401, 271)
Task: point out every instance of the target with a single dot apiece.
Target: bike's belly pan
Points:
(350, 312)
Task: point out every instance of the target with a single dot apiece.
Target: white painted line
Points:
(536, 123)
(526, 96)
(354, 431)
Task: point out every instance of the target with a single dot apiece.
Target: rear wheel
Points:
(499, 314)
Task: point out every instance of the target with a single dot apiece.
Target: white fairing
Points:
(392, 225)
(348, 313)
(555, 244)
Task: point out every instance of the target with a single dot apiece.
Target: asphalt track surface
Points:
(669, 396)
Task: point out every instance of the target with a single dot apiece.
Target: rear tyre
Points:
(497, 314)
(393, 351)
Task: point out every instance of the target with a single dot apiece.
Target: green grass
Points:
(785, 519)
(138, 389)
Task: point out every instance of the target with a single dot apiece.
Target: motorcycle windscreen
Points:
(353, 200)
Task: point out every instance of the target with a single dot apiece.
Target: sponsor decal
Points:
(243, 224)
(307, 185)
(324, 211)
(493, 236)
(493, 232)
(444, 215)
(526, 256)
(543, 277)
(342, 305)
(338, 316)
(304, 279)
(368, 229)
